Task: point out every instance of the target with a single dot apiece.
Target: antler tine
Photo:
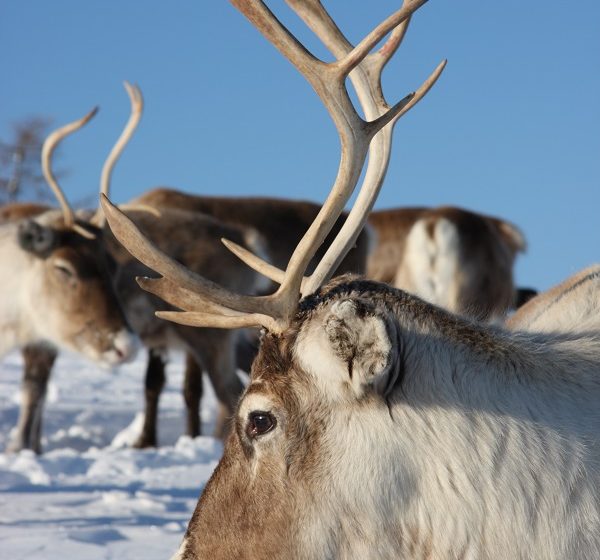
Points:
(215, 315)
(258, 264)
(48, 148)
(201, 319)
(358, 53)
(316, 17)
(355, 133)
(137, 108)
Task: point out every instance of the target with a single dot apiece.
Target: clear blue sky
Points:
(512, 128)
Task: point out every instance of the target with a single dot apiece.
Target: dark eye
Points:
(259, 423)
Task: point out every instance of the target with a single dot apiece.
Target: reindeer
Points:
(56, 293)
(566, 307)
(195, 239)
(449, 256)
(375, 424)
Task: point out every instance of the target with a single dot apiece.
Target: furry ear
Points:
(511, 235)
(367, 342)
(36, 238)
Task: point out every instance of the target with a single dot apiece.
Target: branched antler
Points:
(356, 135)
(366, 79)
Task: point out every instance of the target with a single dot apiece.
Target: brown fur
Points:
(281, 222)
(483, 285)
(19, 210)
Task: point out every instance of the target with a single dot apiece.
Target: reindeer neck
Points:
(481, 412)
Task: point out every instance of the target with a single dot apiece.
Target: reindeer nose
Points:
(124, 347)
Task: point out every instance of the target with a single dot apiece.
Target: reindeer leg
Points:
(155, 382)
(192, 393)
(214, 349)
(38, 361)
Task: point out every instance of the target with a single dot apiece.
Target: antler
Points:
(48, 148)
(328, 79)
(137, 108)
(366, 78)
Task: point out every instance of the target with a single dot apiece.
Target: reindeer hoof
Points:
(143, 442)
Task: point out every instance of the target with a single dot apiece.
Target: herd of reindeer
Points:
(401, 402)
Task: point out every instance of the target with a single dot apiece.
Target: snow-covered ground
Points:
(90, 495)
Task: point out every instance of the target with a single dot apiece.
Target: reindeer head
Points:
(61, 268)
(319, 396)
(70, 294)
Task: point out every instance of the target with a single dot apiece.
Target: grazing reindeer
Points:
(59, 261)
(454, 258)
(195, 238)
(377, 425)
(56, 289)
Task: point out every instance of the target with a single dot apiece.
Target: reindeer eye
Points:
(259, 423)
(65, 271)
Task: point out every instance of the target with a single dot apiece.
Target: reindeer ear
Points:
(367, 342)
(36, 238)
(511, 235)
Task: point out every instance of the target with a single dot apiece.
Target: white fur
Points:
(430, 264)
(473, 462)
(313, 354)
(17, 277)
(572, 306)
(314, 351)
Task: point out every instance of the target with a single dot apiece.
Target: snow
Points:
(90, 495)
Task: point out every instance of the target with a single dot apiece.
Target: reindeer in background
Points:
(457, 259)
(196, 241)
(56, 289)
(376, 424)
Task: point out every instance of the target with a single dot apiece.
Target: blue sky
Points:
(512, 128)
